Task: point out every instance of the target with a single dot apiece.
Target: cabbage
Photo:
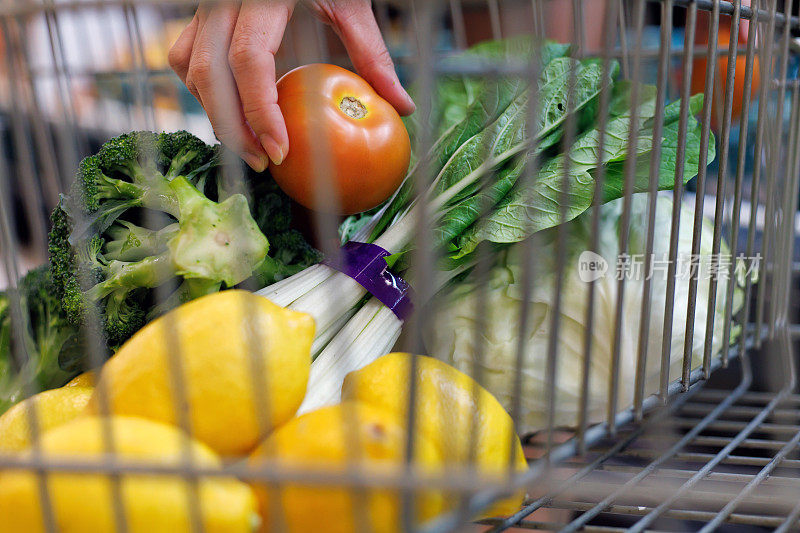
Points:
(452, 337)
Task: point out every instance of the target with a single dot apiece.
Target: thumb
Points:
(355, 24)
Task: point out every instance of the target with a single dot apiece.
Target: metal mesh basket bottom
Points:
(719, 459)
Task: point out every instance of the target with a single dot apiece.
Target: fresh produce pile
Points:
(234, 412)
(153, 233)
(473, 192)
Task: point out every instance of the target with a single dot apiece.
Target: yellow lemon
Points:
(459, 416)
(237, 363)
(83, 380)
(52, 408)
(150, 502)
(330, 441)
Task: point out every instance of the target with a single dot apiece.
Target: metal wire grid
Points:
(50, 146)
(733, 463)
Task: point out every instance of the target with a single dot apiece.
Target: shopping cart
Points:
(706, 440)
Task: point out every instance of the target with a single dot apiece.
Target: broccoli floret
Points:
(7, 366)
(289, 254)
(53, 350)
(289, 251)
(103, 252)
(178, 150)
(273, 210)
(292, 249)
(152, 210)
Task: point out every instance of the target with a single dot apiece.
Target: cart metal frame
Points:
(686, 456)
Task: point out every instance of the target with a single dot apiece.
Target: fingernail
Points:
(256, 162)
(273, 149)
(411, 103)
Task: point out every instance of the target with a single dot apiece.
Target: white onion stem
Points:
(369, 334)
(322, 338)
(286, 291)
(330, 299)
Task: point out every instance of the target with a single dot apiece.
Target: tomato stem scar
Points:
(352, 107)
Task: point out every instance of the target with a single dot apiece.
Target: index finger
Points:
(181, 51)
(256, 38)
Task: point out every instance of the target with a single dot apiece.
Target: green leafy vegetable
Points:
(452, 338)
(453, 95)
(470, 104)
(539, 205)
(583, 156)
(668, 157)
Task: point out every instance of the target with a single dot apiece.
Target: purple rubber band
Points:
(366, 263)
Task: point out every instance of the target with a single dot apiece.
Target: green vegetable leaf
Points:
(454, 94)
(472, 103)
(391, 260)
(462, 215)
(505, 135)
(615, 177)
(538, 205)
(477, 116)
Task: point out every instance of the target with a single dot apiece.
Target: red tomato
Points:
(699, 69)
(348, 148)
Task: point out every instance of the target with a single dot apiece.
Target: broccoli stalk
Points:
(152, 210)
(129, 242)
(214, 243)
(218, 242)
(113, 261)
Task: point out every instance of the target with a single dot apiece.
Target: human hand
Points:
(226, 58)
